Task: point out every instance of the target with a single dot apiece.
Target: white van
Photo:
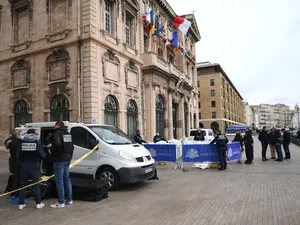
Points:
(118, 158)
(208, 134)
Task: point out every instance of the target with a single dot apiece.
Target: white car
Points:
(118, 158)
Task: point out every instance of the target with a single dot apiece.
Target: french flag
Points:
(182, 24)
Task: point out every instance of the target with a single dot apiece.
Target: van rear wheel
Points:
(111, 175)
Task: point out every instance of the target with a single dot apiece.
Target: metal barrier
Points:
(193, 152)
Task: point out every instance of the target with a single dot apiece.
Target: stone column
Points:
(180, 132)
(170, 115)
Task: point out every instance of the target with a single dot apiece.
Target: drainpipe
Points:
(79, 65)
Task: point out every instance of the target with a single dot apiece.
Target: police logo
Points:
(230, 153)
(192, 154)
(67, 138)
(30, 147)
(152, 152)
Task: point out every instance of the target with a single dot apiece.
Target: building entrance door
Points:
(175, 112)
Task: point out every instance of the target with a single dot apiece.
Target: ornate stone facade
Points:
(90, 61)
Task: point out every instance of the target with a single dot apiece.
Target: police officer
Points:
(62, 153)
(199, 136)
(221, 146)
(248, 142)
(158, 138)
(29, 156)
(138, 138)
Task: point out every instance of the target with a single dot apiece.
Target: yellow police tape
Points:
(4, 155)
(46, 178)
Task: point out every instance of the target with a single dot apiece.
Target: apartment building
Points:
(92, 61)
(278, 115)
(220, 104)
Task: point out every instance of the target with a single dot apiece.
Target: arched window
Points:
(160, 111)
(59, 108)
(201, 125)
(186, 117)
(21, 113)
(132, 113)
(111, 111)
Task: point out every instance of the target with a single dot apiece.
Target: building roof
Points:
(207, 64)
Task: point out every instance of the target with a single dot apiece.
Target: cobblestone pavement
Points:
(260, 194)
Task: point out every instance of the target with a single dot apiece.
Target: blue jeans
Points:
(63, 182)
(279, 152)
(30, 170)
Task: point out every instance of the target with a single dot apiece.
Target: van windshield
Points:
(112, 135)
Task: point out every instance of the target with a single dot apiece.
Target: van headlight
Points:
(126, 155)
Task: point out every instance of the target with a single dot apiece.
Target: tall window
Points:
(200, 116)
(132, 113)
(129, 29)
(110, 111)
(21, 113)
(195, 120)
(198, 83)
(214, 115)
(59, 108)
(212, 93)
(108, 6)
(160, 111)
(199, 105)
(186, 116)
(213, 104)
(146, 43)
(160, 52)
(212, 82)
(187, 68)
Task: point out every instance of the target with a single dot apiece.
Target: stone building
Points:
(91, 61)
(220, 103)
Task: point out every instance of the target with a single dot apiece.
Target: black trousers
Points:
(249, 154)
(222, 158)
(30, 170)
(15, 170)
(264, 147)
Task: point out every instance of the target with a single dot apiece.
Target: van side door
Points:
(84, 141)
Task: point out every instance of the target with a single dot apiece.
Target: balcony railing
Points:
(151, 59)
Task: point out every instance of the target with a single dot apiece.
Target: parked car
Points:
(118, 158)
(207, 133)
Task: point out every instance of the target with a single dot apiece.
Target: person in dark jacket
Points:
(238, 138)
(263, 138)
(138, 138)
(248, 142)
(221, 146)
(13, 143)
(158, 138)
(62, 152)
(31, 151)
(286, 143)
(276, 141)
(199, 136)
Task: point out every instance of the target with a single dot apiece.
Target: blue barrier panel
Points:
(208, 153)
(234, 151)
(163, 153)
(199, 153)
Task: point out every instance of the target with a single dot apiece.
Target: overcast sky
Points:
(257, 42)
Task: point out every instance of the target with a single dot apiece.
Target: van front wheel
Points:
(111, 175)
